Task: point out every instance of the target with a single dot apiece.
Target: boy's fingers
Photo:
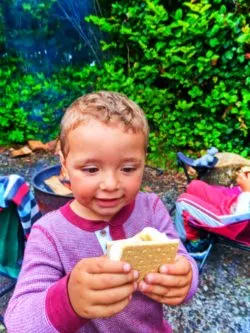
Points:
(181, 266)
(167, 281)
(111, 296)
(100, 265)
(108, 310)
(164, 295)
(106, 281)
(174, 293)
(168, 300)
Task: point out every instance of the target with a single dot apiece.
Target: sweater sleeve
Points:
(41, 288)
(242, 204)
(164, 223)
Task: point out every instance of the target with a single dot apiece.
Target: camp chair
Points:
(199, 228)
(18, 211)
(185, 162)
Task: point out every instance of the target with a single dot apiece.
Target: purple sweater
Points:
(40, 302)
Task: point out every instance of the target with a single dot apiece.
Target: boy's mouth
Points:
(108, 202)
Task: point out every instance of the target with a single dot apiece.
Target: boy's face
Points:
(105, 167)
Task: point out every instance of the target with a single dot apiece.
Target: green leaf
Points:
(195, 92)
(214, 42)
(160, 45)
(26, 6)
(178, 14)
(244, 38)
(241, 58)
(229, 55)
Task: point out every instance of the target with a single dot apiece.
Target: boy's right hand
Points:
(100, 287)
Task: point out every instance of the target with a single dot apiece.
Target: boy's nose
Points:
(110, 182)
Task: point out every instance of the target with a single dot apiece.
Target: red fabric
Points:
(23, 190)
(191, 233)
(115, 224)
(239, 232)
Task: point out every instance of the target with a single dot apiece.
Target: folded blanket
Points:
(14, 189)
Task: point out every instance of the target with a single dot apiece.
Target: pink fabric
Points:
(212, 202)
(55, 245)
(217, 199)
(20, 194)
(58, 308)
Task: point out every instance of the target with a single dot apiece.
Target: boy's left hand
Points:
(171, 285)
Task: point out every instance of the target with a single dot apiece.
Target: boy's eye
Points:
(128, 169)
(90, 170)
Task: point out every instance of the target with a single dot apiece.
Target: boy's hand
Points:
(99, 287)
(171, 285)
(243, 180)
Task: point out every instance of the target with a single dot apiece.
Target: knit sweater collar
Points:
(90, 225)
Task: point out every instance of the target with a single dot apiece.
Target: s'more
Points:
(146, 251)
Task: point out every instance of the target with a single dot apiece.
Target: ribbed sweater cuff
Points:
(59, 310)
(195, 280)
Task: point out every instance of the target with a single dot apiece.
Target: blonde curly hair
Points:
(107, 107)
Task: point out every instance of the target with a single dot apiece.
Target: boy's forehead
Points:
(97, 127)
(97, 131)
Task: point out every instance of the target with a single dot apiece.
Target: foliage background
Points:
(187, 63)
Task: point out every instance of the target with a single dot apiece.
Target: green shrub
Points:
(189, 70)
(31, 104)
(187, 66)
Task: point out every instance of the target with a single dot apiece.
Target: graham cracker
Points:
(148, 256)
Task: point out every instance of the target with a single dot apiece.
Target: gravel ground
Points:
(221, 304)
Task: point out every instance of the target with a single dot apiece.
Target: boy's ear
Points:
(64, 171)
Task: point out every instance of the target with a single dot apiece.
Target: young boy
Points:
(67, 284)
